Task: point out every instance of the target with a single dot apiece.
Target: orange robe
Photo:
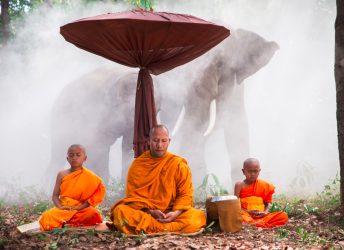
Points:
(157, 183)
(253, 197)
(76, 188)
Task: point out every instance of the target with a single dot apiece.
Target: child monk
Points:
(255, 197)
(76, 193)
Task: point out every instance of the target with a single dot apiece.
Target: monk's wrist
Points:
(146, 210)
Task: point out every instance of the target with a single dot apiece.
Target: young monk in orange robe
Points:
(76, 192)
(159, 193)
(255, 197)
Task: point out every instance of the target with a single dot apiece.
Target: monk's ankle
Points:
(111, 226)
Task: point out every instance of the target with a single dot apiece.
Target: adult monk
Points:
(159, 192)
(256, 196)
(76, 193)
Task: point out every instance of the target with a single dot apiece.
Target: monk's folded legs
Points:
(56, 218)
(270, 220)
(86, 217)
(133, 221)
(189, 221)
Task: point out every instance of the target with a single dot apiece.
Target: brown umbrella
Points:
(153, 41)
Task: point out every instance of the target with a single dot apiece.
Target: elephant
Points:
(95, 110)
(98, 108)
(235, 59)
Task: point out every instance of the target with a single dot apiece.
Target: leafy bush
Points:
(209, 188)
(329, 198)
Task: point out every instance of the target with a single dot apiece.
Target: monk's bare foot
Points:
(102, 227)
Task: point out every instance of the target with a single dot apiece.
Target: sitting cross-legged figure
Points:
(76, 193)
(255, 197)
(159, 193)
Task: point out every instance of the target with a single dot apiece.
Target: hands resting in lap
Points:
(162, 217)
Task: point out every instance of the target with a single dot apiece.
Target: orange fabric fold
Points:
(253, 197)
(157, 183)
(76, 188)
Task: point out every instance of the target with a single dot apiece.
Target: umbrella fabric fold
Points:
(144, 104)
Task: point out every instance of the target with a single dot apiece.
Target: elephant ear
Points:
(252, 52)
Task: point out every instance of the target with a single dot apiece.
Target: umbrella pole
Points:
(145, 112)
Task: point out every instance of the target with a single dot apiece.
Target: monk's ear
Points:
(85, 157)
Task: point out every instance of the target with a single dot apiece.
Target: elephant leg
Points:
(194, 153)
(192, 147)
(98, 160)
(237, 142)
(127, 156)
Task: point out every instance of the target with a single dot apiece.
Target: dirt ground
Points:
(304, 231)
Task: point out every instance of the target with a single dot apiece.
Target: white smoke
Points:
(290, 102)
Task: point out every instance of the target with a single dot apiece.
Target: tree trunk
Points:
(5, 20)
(339, 76)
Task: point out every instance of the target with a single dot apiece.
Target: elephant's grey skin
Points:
(95, 110)
(238, 57)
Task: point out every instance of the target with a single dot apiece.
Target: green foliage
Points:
(74, 241)
(282, 234)
(114, 191)
(117, 234)
(20, 9)
(143, 4)
(3, 242)
(209, 228)
(91, 232)
(40, 206)
(310, 210)
(123, 237)
(276, 207)
(41, 236)
(140, 238)
(309, 238)
(53, 246)
(326, 200)
(210, 187)
(2, 202)
(329, 198)
(60, 231)
(21, 195)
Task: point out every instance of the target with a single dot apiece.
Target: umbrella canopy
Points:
(153, 41)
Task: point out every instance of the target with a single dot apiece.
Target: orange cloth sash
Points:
(252, 203)
(157, 183)
(253, 197)
(76, 188)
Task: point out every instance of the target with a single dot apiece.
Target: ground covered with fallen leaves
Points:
(314, 223)
(307, 229)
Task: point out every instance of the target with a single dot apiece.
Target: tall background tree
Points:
(339, 76)
(5, 21)
(14, 11)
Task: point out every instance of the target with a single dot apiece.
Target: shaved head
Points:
(159, 140)
(248, 161)
(77, 146)
(152, 130)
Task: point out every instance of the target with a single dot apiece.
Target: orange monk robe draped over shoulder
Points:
(253, 197)
(157, 183)
(76, 188)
